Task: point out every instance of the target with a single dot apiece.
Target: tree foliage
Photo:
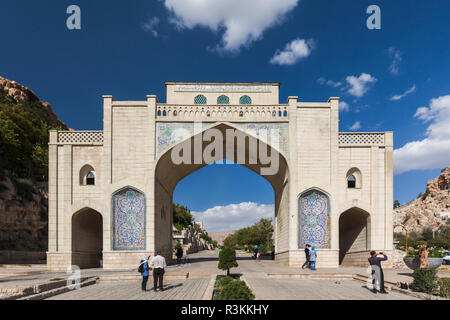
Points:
(259, 234)
(236, 290)
(182, 217)
(24, 140)
(227, 259)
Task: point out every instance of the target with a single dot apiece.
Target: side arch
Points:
(87, 238)
(354, 237)
(128, 219)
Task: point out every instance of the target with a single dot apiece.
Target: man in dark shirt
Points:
(377, 270)
(307, 262)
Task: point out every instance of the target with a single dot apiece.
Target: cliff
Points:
(430, 210)
(24, 125)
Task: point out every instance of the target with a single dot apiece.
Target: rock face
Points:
(23, 222)
(220, 236)
(23, 94)
(428, 211)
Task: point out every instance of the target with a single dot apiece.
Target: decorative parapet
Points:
(362, 139)
(79, 137)
(212, 113)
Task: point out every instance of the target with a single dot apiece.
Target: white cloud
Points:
(293, 52)
(359, 85)
(241, 21)
(343, 106)
(401, 96)
(355, 126)
(150, 26)
(432, 152)
(330, 83)
(396, 56)
(234, 216)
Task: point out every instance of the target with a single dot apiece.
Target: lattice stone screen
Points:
(80, 137)
(361, 138)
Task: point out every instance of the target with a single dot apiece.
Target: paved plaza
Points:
(194, 281)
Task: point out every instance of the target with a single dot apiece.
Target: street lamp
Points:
(406, 240)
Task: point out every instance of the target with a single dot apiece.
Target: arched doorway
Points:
(354, 237)
(241, 146)
(87, 238)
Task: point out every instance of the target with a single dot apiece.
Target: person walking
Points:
(377, 270)
(179, 254)
(307, 262)
(159, 267)
(255, 250)
(312, 259)
(144, 270)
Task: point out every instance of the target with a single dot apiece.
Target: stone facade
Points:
(133, 154)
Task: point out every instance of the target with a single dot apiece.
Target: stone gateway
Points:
(110, 191)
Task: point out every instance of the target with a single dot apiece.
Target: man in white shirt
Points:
(159, 267)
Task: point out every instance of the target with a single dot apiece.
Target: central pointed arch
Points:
(168, 174)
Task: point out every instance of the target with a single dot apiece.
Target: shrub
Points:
(444, 287)
(227, 259)
(425, 280)
(25, 188)
(225, 281)
(236, 290)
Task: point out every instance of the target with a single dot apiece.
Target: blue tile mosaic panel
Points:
(314, 211)
(128, 220)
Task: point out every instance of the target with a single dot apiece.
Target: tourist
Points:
(255, 250)
(144, 269)
(307, 262)
(159, 267)
(423, 257)
(312, 258)
(258, 256)
(179, 254)
(377, 270)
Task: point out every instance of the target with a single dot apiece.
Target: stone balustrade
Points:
(245, 113)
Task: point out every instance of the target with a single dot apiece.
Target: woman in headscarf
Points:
(423, 257)
(312, 258)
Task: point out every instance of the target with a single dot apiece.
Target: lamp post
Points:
(406, 240)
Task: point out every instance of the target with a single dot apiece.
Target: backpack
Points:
(141, 268)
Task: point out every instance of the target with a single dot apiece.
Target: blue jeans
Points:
(312, 265)
(144, 282)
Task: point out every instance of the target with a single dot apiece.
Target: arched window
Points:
(87, 176)
(241, 114)
(285, 113)
(245, 100)
(200, 99)
(351, 181)
(175, 113)
(223, 100)
(279, 113)
(128, 220)
(354, 178)
(274, 114)
(159, 113)
(90, 178)
(314, 211)
(164, 113)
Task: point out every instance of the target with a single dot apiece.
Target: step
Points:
(58, 291)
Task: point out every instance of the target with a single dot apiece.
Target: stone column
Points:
(334, 172)
(389, 189)
(292, 179)
(53, 192)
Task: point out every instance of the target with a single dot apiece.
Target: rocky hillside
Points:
(24, 125)
(424, 211)
(220, 236)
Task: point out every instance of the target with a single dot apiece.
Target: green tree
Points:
(396, 204)
(182, 217)
(227, 259)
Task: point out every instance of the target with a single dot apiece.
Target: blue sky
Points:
(393, 79)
